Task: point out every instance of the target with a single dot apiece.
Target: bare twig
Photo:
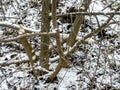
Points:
(27, 35)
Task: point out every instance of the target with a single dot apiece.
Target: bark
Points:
(77, 23)
(44, 54)
(54, 18)
(27, 47)
(63, 60)
(28, 50)
(61, 64)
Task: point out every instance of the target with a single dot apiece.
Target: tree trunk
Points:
(54, 18)
(63, 60)
(71, 40)
(77, 23)
(28, 50)
(44, 53)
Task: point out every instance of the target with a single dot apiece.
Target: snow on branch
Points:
(17, 27)
(13, 62)
(13, 17)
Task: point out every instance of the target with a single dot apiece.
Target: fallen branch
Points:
(17, 27)
(13, 62)
(88, 13)
(25, 61)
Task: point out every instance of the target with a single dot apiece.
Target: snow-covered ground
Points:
(96, 64)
